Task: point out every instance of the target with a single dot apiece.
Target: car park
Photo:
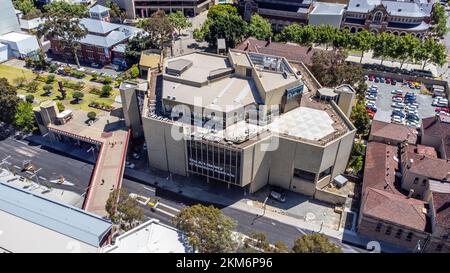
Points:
(371, 97)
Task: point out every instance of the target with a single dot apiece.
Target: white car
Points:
(370, 103)
(373, 87)
(411, 108)
(398, 105)
(397, 119)
(397, 99)
(441, 104)
(397, 91)
(371, 97)
(414, 124)
(413, 104)
(442, 113)
(129, 165)
(412, 112)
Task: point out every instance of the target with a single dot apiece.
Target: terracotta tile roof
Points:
(380, 167)
(423, 164)
(426, 150)
(291, 52)
(438, 127)
(394, 208)
(441, 204)
(392, 131)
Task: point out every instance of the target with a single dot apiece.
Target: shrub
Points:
(20, 81)
(106, 90)
(134, 71)
(95, 91)
(67, 70)
(107, 80)
(28, 62)
(53, 67)
(33, 86)
(29, 98)
(94, 77)
(50, 78)
(48, 89)
(77, 96)
(91, 115)
(60, 106)
(77, 74)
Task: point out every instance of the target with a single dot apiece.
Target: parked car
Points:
(371, 97)
(382, 80)
(393, 82)
(129, 165)
(412, 123)
(398, 113)
(412, 117)
(388, 81)
(413, 104)
(397, 91)
(377, 79)
(95, 65)
(373, 87)
(442, 109)
(278, 194)
(397, 99)
(371, 78)
(398, 105)
(397, 119)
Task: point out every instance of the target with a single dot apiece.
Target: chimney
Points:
(411, 192)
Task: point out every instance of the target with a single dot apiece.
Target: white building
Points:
(31, 222)
(20, 45)
(3, 52)
(327, 14)
(150, 237)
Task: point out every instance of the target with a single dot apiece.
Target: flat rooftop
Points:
(202, 65)
(225, 95)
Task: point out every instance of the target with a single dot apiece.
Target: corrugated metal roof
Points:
(98, 9)
(61, 218)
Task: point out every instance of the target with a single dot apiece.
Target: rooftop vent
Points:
(357, 5)
(399, 10)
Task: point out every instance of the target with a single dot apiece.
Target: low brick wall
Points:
(330, 197)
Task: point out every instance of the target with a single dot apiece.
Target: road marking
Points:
(301, 231)
(20, 141)
(42, 178)
(166, 213)
(169, 207)
(17, 167)
(149, 189)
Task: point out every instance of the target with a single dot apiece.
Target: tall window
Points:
(378, 16)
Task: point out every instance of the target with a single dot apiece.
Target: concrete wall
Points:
(330, 197)
(260, 167)
(408, 179)
(156, 144)
(131, 111)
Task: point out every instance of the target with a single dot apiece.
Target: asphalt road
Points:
(53, 164)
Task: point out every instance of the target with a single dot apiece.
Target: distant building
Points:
(104, 43)
(32, 223)
(150, 237)
(327, 14)
(279, 13)
(142, 8)
(397, 17)
(436, 133)
(392, 133)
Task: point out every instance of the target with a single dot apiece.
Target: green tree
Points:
(179, 21)
(342, 39)
(315, 243)
(430, 51)
(24, 117)
(207, 228)
(25, 6)
(29, 98)
(116, 12)
(159, 29)
(325, 35)
(91, 116)
(62, 7)
(60, 106)
(363, 41)
(357, 157)
(135, 46)
(106, 90)
(223, 22)
(258, 242)
(360, 118)
(134, 71)
(32, 14)
(439, 20)
(77, 96)
(405, 48)
(48, 88)
(259, 28)
(8, 101)
(122, 208)
(383, 45)
(64, 27)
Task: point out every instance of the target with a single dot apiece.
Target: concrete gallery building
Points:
(246, 119)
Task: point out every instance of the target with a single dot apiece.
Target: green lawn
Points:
(11, 73)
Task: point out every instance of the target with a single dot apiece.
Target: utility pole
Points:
(264, 210)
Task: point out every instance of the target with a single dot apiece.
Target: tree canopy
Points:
(159, 29)
(179, 21)
(115, 11)
(123, 209)
(360, 117)
(259, 28)
(135, 46)
(207, 228)
(223, 22)
(25, 6)
(24, 117)
(8, 101)
(439, 20)
(315, 243)
(73, 10)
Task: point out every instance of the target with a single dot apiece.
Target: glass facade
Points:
(214, 161)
